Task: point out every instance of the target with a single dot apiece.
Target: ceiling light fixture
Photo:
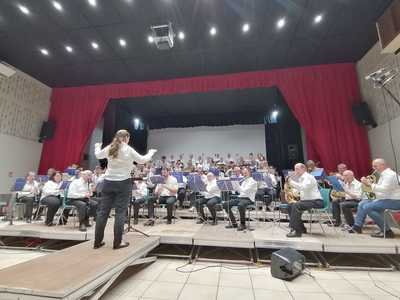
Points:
(246, 27)
(92, 2)
(318, 19)
(95, 45)
(150, 39)
(213, 31)
(281, 23)
(122, 42)
(24, 9)
(69, 49)
(181, 35)
(57, 5)
(44, 51)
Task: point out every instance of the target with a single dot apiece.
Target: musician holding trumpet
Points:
(310, 197)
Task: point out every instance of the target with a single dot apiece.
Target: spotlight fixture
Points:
(213, 31)
(163, 36)
(95, 45)
(281, 23)
(246, 27)
(318, 19)
(122, 42)
(69, 49)
(24, 9)
(92, 2)
(150, 39)
(57, 5)
(44, 51)
(181, 35)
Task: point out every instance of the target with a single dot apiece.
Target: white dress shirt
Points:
(212, 189)
(51, 188)
(263, 184)
(119, 169)
(352, 189)
(248, 188)
(141, 190)
(307, 185)
(78, 189)
(387, 186)
(29, 189)
(171, 183)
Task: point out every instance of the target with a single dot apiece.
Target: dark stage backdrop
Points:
(320, 97)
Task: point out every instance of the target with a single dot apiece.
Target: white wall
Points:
(380, 142)
(237, 139)
(18, 156)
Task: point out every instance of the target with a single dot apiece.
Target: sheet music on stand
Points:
(226, 185)
(43, 178)
(178, 176)
(19, 184)
(196, 184)
(318, 173)
(335, 183)
(158, 179)
(258, 176)
(65, 185)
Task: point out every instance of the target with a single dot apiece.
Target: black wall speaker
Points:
(363, 115)
(287, 264)
(47, 131)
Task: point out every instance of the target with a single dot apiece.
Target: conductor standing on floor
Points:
(117, 188)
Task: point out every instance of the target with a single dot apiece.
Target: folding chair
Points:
(325, 193)
(388, 217)
(65, 205)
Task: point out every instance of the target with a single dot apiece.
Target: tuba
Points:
(291, 195)
(366, 189)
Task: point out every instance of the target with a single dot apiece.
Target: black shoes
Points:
(97, 246)
(169, 221)
(355, 229)
(293, 234)
(389, 234)
(149, 223)
(120, 246)
(241, 227)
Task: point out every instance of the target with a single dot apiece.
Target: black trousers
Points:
(28, 201)
(241, 204)
(264, 192)
(211, 203)
(53, 203)
(345, 206)
(86, 208)
(115, 194)
(296, 211)
(181, 196)
(149, 200)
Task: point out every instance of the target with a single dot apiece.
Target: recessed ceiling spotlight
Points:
(92, 2)
(69, 49)
(246, 27)
(57, 5)
(44, 51)
(150, 39)
(24, 9)
(122, 42)
(281, 23)
(213, 31)
(95, 45)
(318, 18)
(181, 35)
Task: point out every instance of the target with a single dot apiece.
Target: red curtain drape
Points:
(319, 96)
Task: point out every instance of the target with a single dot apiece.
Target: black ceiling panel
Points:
(346, 32)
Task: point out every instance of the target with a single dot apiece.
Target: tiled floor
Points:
(161, 280)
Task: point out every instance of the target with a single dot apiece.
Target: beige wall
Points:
(383, 113)
(24, 105)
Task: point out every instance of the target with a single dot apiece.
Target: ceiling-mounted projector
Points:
(163, 36)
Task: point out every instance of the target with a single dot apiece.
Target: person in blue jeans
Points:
(387, 192)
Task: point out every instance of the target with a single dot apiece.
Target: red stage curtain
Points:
(319, 96)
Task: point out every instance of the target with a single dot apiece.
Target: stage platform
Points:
(266, 235)
(74, 272)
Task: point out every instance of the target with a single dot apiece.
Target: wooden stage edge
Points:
(74, 272)
(265, 236)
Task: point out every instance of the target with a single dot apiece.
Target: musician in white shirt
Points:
(387, 192)
(310, 197)
(263, 189)
(117, 188)
(79, 195)
(247, 192)
(352, 196)
(141, 197)
(166, 192)
(27, 195)
(211, 197)
(51, 196)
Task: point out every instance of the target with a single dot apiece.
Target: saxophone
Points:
(367, 189)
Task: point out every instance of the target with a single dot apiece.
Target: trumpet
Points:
(291, 195)
(336, 195)
(367, 189)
